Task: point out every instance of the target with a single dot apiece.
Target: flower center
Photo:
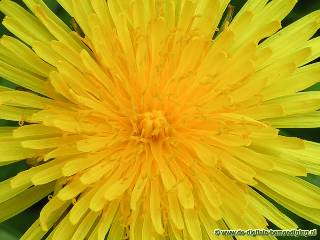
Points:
(153, 125)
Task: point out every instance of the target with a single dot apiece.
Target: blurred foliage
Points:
(13, 228)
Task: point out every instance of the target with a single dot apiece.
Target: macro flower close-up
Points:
(158, 119)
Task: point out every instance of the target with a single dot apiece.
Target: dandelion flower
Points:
(158, 119)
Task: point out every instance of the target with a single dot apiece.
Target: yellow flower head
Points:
(156, 119)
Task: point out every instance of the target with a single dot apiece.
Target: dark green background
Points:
(13, 228)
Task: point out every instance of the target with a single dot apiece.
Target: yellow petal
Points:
(293, 188)
(17, 28)
(85, 226)
(207, 22)
(192, 223)
(51, 213)
(28, 58)
(253, 158)
(64, 230)
(34, 232)
(310, 214)
(155, 207)
(69, 54)
(13, 151)
(270, 211)
(46, 143)
(185, 195)
(23, 17)
(307, 120)
(81, 206)
(47, 174)
(167, 176)
(35, 130)
(57, 29)
(136, 226)
(303, 29)
(22, 78)
(15, 113)
(298, 103)
(23, 201)
(107, 219)
(45, 51)
(175, 213)
(7, 192)
(239, 170)
(116, 231)
(314, 44)
(81, 10)
(71, 190)
(147, 228)
(93, 174)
